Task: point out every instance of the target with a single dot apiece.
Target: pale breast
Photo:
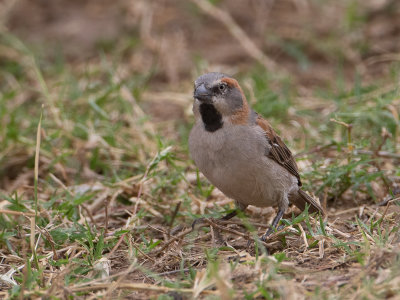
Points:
(233, 159)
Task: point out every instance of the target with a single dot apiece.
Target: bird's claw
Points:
(198, 223)
(271, 230)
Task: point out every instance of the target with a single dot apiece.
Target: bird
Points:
(239, 152)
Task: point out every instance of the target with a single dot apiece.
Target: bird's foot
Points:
(265, 236)
(202, 222)
(271, 230)
(198, 223)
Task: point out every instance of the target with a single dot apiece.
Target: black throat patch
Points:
(212, 119)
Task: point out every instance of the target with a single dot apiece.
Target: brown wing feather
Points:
(279, 151)
(283, 156)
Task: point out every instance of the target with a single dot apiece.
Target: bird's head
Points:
(219, 91)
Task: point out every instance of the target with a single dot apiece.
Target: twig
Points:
(226, 229)
(387, 206)
(116, 245)
(345, 211)
(72, 194)
(136, 286)
(371, 95)
(385, 135)
(61, 184)
(314, 150)
(342, 234)
(379, 153)
(237, 32)
(303, 234)
(106, 216)
(111, 287)
(177, 229)
(385, 202)
(166, 244)
(349, 127)
(89, 213)
(172, 272)
(16, 213)
(144, 254)
(174, 216)
(50, 240)
(261, 225)
(36, 198)
(161, 274)
(141, 182)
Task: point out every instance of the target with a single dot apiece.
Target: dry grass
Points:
(98, 196)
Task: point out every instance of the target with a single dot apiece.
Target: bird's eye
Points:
(222, 87)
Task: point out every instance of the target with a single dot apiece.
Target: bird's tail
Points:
(301, 198)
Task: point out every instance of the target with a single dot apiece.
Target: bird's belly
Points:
(254, 183)
(234, 161)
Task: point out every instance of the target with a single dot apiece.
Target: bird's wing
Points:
(279, 152)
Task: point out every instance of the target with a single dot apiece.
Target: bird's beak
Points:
(202, 94)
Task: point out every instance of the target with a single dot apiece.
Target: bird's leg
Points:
(229, 216)
(275, 222)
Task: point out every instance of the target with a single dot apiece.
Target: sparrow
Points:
(239, 152)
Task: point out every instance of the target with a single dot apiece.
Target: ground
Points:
(97, 189)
